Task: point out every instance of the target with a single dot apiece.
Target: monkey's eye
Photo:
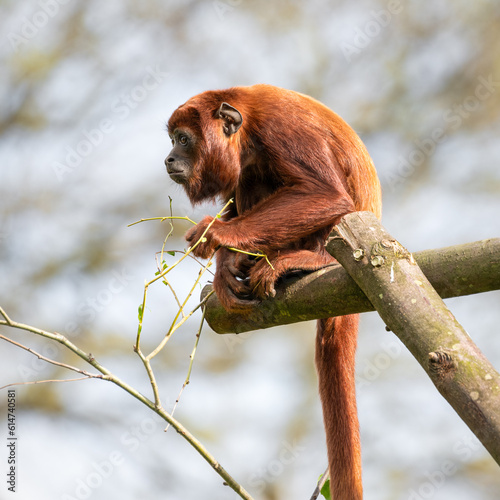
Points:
(183, 140)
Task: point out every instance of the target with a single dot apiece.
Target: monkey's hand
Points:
(231, 282)
(263, 278)
(209, 243)
(285, 263)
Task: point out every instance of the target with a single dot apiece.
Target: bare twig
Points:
(89, 358)
(161, 275)
(162, 219)
(259, 255)
(168, 235)
(177, 324)
(48, 360)
(322, 481)
(152, 378)
(8, 321)
(191, 359)
(36, 382)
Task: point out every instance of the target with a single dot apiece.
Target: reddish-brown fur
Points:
(294, 168)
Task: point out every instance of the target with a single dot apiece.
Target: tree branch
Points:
(44, 358)
(413, 310)
(158, 409)
(453, 271)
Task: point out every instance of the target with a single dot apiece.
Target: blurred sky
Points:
(86, 90)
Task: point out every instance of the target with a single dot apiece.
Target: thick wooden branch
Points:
(453, 271)
(413, 310)
(380, 273)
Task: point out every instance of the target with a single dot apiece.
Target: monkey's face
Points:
(186, 165)
(203, 160)
(181, 160)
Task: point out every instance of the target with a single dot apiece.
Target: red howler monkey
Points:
(294, 168)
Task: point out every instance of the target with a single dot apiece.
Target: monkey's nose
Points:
(172, 168)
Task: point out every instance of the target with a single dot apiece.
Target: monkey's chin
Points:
(178, 177)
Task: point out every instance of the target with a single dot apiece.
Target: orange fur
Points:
(294, 168)
(335, 361)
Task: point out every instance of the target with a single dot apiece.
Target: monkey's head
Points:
(205, 158)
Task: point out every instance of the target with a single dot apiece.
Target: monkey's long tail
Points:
(335, 361)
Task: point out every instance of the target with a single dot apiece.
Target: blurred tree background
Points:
(87, 88)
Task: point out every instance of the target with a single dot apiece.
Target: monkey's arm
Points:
(288, 215)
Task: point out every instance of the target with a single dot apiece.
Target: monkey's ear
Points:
(231, 116)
